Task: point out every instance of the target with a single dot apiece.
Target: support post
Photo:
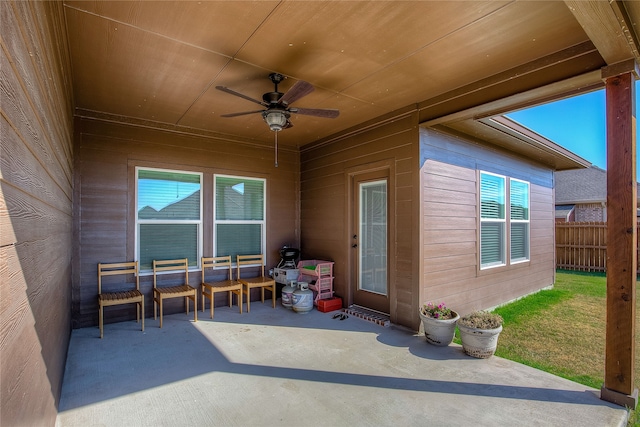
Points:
(621, 235)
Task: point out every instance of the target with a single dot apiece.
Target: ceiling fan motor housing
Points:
(272, 97)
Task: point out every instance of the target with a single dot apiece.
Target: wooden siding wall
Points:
(450, 270)
(104, 222)
(324, 214)
(36, 176)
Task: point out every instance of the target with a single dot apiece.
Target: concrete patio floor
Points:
(276, 367)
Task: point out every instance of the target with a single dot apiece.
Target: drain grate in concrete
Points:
(369, 315)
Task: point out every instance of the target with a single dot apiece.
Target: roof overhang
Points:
(508, 134)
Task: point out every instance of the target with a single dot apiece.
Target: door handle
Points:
(355, 245)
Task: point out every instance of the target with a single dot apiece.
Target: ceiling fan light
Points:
(275, 119)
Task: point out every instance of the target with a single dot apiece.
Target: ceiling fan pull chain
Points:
(276, 148)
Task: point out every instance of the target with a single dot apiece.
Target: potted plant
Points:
(479, 333)
(439, 323)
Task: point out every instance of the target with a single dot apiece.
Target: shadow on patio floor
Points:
(278, 367)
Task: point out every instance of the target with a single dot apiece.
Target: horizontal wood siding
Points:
(324, 203)
(36, 175)
(107, 155)
(449, 247)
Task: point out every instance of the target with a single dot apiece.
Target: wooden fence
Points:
(582, 246)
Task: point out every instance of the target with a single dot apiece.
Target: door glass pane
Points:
(372, 275)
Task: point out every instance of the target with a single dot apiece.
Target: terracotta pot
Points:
(480, 343)
(439, 332)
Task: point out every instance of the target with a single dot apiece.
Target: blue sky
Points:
(577, 124)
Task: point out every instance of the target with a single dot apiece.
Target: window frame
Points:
(503, 221)
(138, 221)
(262, 222)
(519, 221)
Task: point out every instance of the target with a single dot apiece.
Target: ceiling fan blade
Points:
(248, 98)
(318, 112)
(244, 113)
(297, 91)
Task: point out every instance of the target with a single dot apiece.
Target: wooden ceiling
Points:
(453, 61)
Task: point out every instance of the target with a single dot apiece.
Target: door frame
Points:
(387, 165)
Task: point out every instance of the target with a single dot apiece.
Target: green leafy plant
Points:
(440, 311)
(481, 320)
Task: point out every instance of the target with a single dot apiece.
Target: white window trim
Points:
(262, 222)
(151, 221)
(506, 223)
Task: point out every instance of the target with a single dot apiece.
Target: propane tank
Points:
(287, 294)
(302, 298)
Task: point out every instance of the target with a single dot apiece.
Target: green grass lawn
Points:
(562, 330)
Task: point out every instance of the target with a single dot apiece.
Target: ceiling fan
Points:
(278, 110)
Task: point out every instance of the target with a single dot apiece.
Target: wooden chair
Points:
(132, 296)
(261, 281)
(175, 291)
(209, 289)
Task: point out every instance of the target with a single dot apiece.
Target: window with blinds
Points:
(519, 216)
(239, 219)
(492, 220)
(168, 216)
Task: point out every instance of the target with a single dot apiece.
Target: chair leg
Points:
(240, 300)
(248, 299)
(195, 305)
(211, 303)
(100, 308)
(160, 304)
(142, 310)
(273, 296)
(262, 293)
(202, 293)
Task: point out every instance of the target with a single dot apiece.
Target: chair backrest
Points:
(217, 262)
(175, 265)
(250, 261)
(117, 268)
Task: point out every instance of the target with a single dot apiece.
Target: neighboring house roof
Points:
(180, 209)
(564, 211)
(581, 186)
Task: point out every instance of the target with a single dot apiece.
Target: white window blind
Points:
(519, 197)
(239, 216)
(492, 220)
(168, 216)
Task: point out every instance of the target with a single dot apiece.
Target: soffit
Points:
(160, 61)
(507, 134)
